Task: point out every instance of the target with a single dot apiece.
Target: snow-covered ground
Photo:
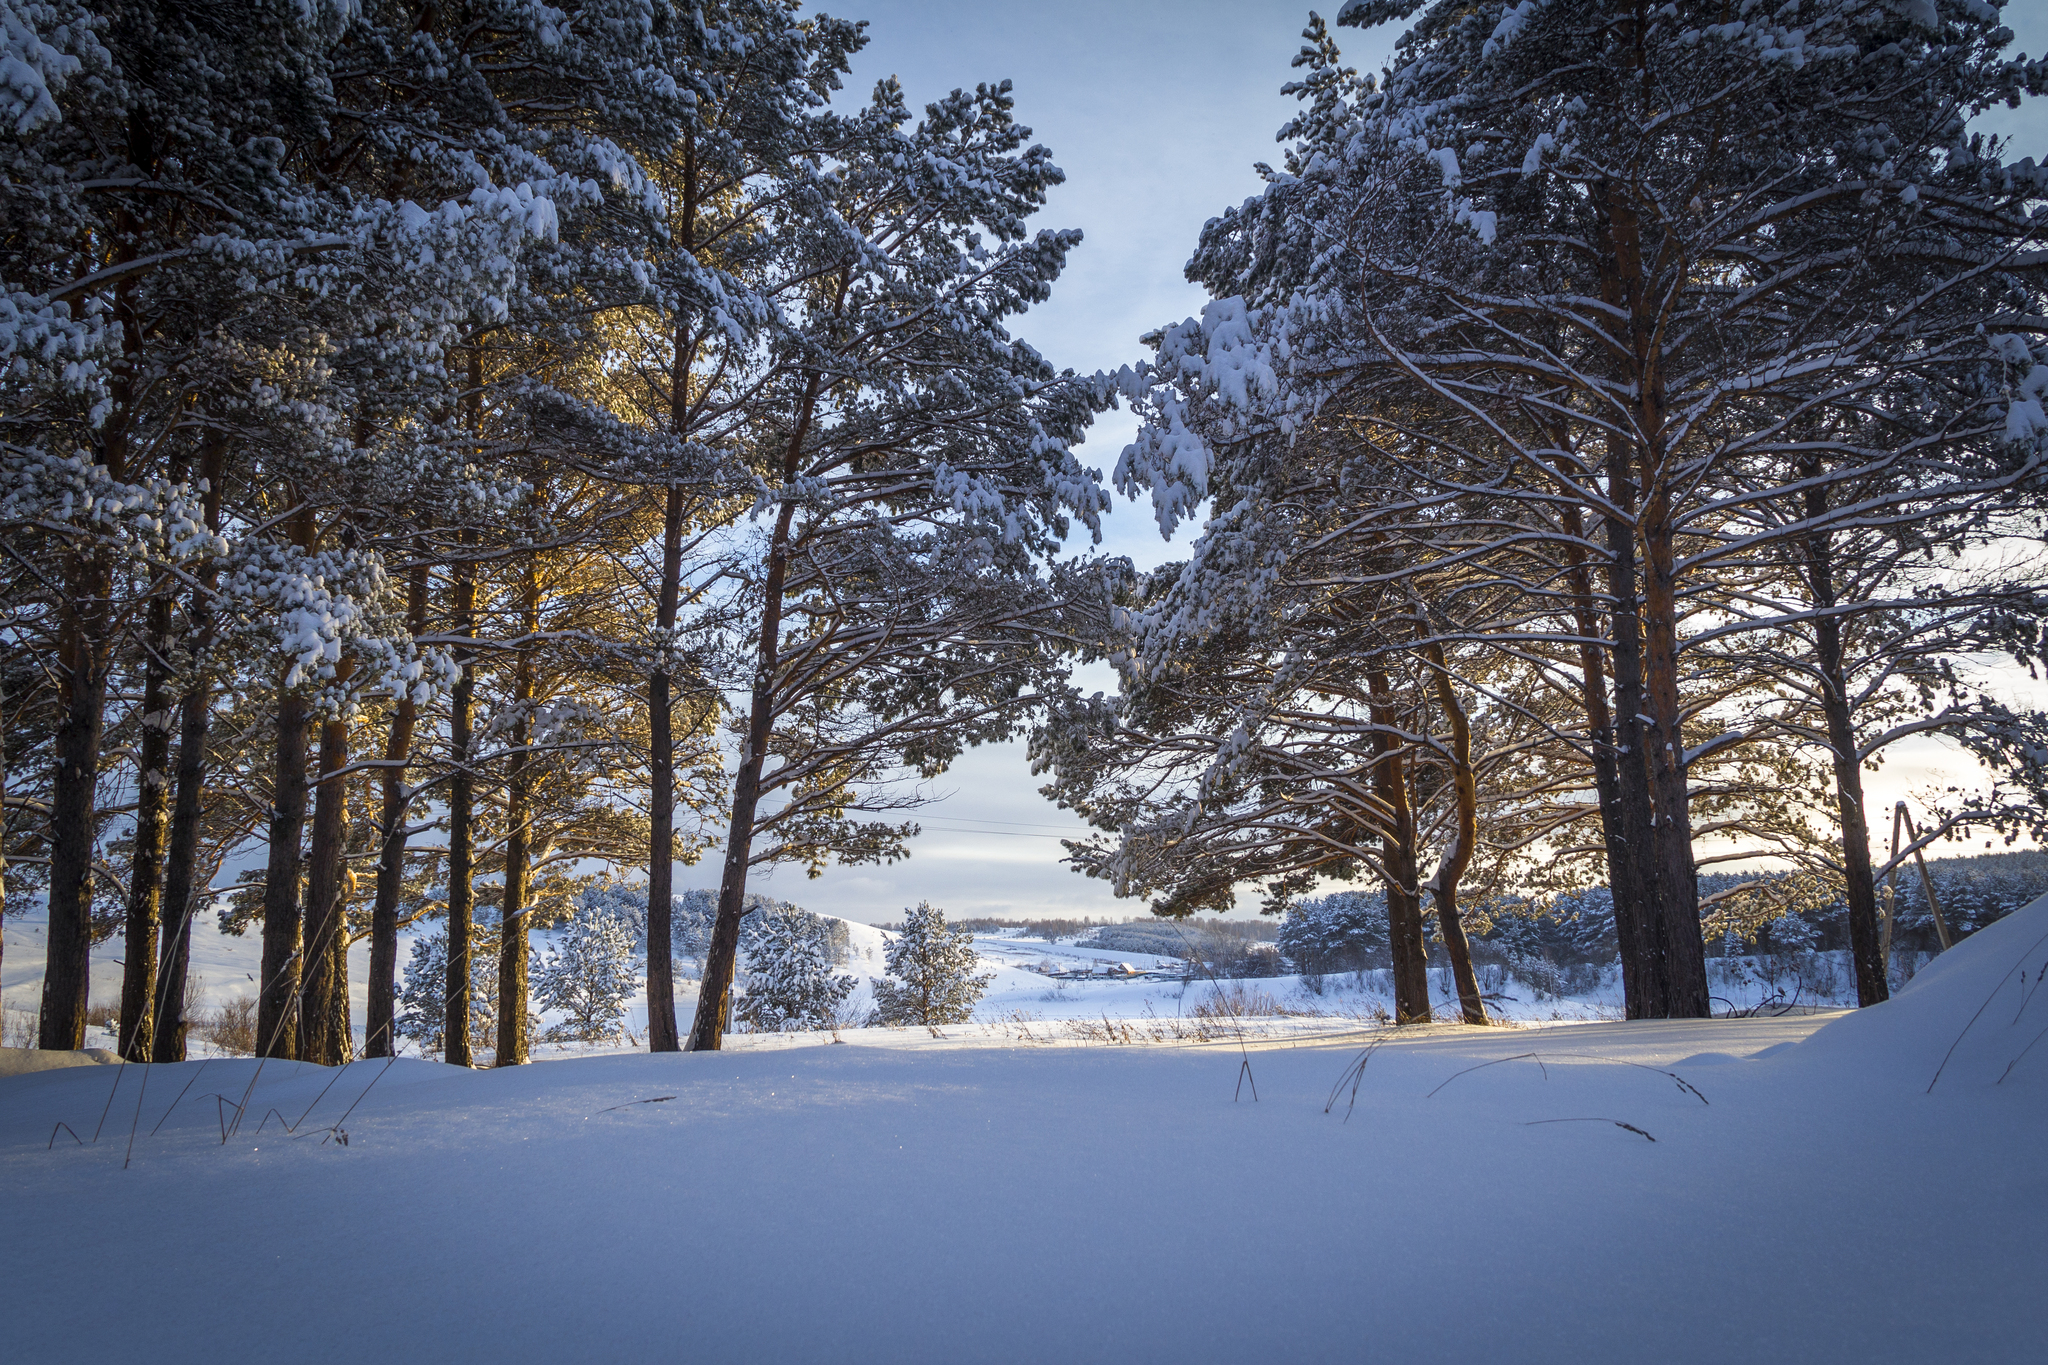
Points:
(1809, 1192)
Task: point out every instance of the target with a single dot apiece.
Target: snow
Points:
(906, 1197)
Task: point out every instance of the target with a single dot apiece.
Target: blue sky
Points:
(1156, 111)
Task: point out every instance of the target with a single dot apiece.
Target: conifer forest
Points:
(1539, 670)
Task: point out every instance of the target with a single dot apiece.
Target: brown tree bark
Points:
(277, 1001)
(1860, 881)
(84, 646)
(181, 898)
(720, 958)
(1450, 869)
(1626, 284)
(1405, 939)
(380, 1023)
(152, 812)
(461, 831)
(195, 719)
(512, 926)
(82, 693)
(1685, 950)
(661, 993)
(323, 991)
(662, 1031)
(1628, 882)
(278, 993)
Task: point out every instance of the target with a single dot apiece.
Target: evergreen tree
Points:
(931, 972)
(790, 982)
(589, 974)
(1585, 299)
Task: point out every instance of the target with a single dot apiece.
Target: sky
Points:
(1157, 112)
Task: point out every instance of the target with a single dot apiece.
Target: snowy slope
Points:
(904, 1198)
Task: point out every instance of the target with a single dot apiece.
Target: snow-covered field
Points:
(1802, 1196)
(1057, 984)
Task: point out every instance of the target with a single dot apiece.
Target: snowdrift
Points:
(1970, 1016)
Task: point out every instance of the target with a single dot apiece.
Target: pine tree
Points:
(1574, 291)
(931, 972)
(589, 974)
(790, 982)
(899, 608)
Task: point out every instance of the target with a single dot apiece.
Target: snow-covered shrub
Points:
(790, 983)
(931, 970)
(589, 974)
(1549, 980)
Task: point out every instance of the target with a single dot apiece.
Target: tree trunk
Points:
(719, 959)
(662, 1031)
(181, 895)
(661, 994)
(1450, 870)
(83, 648)
(1627, 283)
(277, 1025)
(1405, 940)
(380, 1025)
(461, 832)
(1685, 951)
(512, 927)
(278, 993)
(1635, 810)
(1626, 879)
(195, 720)
(323, 995)
(3, 830)
(145, 872)
(1860, 883)
(82, 682)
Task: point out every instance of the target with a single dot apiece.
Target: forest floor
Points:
(1743, 1189)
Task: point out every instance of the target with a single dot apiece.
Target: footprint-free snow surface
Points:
(1802, 1196)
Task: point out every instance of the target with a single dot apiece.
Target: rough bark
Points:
(3, 832)
(462, 784)
(1685, 951)
(1627, 881)
(278, 994)
(323, 991)
(195, 720)
(1860, 882)
(1626, 283)
(152, 813)
(83, 649)
(82, 692)
(181, 894)
(1405, 940)
(661, 995)
(1632, 769)
(719, 959)
(1450, 869)
(277, 997)
(380, 1023)
(662, 1031)
(461, 831)
(512, 928)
